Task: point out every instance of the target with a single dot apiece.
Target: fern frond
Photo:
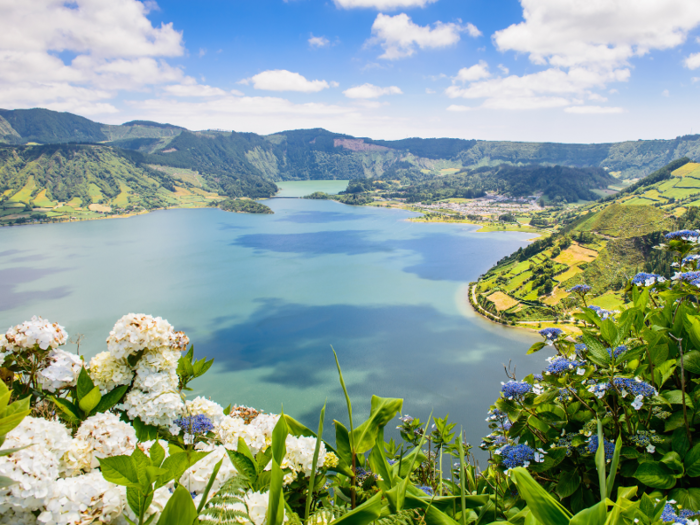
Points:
(227, 507)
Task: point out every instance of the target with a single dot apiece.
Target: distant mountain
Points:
(320, 154)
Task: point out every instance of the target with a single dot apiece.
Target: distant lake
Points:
(267, 296)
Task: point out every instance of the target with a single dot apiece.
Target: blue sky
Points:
(527, 70)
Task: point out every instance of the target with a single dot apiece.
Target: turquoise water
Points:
(267, 296)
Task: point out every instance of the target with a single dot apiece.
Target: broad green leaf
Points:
(536, 347)
(84, 384)
(596, 351)
(432, 515)
(275, 507)
(691, 362)
(610, 482)
(297, 429)
(687, 498)
(120, 470)
(143, 431)
(594, 515)
(180, 509)
(364, 514)
(692, 462)
(342, 441)
(675, 397)
(380, 465)
(70, 411)
(90, 400)
(110, 399)
(135, 499)
(609, 332)
(243, 464)
(655, 475)
(569, 481)
(157, 454)
(382, 411)
(347, 396)
(600, 462)
(544, 507)
(673, 461)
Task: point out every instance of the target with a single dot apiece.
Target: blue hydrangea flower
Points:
(686, 235)
(537, 377)
(425, 488)
(647, 279)
(580, 289)
(566, 394)
(599, 389)
(669, 515)
(600, 312)
(580, 347)
(688, 277)
(619, 350)
(199, 424)
(550, 334)
(516, 456)
(635, 386)
(515, 389)
(592, 447)
(559, 365)
(497, 415)
(690, 259)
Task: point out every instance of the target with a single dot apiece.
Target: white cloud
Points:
(283, 80)
(202, 52)
(366, 91)
(455, 107)
(594, 110)
(382, 5)
(666, 93)
(567, 33)
(584, 46)
(693, 61)
(190, 88)
(503, 69)
(113, 44)
(473, 31)
(475, 72)
(400, 37)
(429, 91)
(318, 41)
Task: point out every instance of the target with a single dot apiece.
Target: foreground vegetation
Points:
(607, 434)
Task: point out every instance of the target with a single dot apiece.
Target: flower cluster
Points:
(669, 515)
(691, 259)
(608, 446)
(559, 365)
(566, 394)
(688, 277)
(37, 332)
(519, 456)
(515, 389)
(601, 312)
(550, 334)
(647, 279)
(634, 386)
(686, 235)
(107, 373)
(192, 425)
(646, 439)
(62, 371)
(580, 289)
(618, 351)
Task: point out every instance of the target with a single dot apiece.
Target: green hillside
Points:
(320, 154)
(601, 245)
(84, 181)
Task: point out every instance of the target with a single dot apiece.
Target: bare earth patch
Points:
(100, 207)
(502, 301)
(576, 253)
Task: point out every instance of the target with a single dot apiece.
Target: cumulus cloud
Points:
(318, 41)
(366, 91)
(475, 72)
(190, 88)
(283, 80)
(113, 44)
(399, 36)
(583, 47)
(693, 61)
(382, 5)
(472, 30)
(593, 110)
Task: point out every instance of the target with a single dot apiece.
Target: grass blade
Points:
(312, 478)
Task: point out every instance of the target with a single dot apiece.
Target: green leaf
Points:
(536, 347)
(120, 470)
(90, 400)
(84, 384)
(70, 411)
(110, 399)
(342, 441)
(594, 515)
(544, 507)
(347, 396)
(180, 509)
(679, 442)
(610, 482)
(691, 362)
(609, 332)
(569, 481)
(364, 514)
(596, 351)
(382, 411)
(143, 431)
(673, 461)
(135, 499)
(314, 462)
(600, 462)
(275, 508)
(205, 494)
(380, 465)
(244, 465)
(692, 462)
(157, 454)
(687, 498)
(655, 475)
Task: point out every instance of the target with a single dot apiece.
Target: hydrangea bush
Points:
(607, 434)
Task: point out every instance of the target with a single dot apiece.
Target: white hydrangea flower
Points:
(300, 453)
(160, 359)
(78, 459)
(34, 469)
(230, 429)
(156, 382)
(154, 408)
(16, 516)
(257, 503)
(38, 331)
(107, 435)
(107, 373)
(62, 371)
(135, 332)
(196, 477)
(83, 499)
(201, 405)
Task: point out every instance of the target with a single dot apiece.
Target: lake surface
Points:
(267, 296)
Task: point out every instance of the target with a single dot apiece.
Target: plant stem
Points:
(685, 408)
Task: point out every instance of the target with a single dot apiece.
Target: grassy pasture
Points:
(502, 301)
